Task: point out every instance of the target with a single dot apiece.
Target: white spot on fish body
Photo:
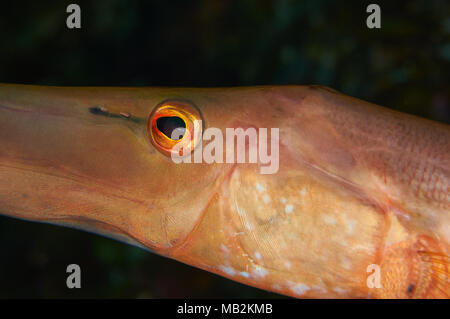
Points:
(260, 188)
(350, 226)
(266, 199)
(361, 247)
(288, 264)
(228, 270)
(319, 288)
(299, 289)
(258, 255)
(289, 209)
(345, 262)
(303, 192)
(244, 274)
(224, 248)
(339, 290)
(329, 220)
(259, 272)
(276, 287)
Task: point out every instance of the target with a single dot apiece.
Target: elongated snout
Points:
(66, 159)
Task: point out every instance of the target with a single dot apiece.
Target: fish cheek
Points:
(305, 233)
(176, 203)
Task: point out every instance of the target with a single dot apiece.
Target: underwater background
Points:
(405, 65)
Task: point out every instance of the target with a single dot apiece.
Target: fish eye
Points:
(168, 126)
(173, 122)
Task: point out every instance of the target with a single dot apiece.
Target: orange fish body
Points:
(359, 206)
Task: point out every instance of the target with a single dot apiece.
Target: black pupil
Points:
(168, 124)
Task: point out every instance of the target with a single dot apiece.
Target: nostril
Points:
(99, 110)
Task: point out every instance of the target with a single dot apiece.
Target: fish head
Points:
(88, 158)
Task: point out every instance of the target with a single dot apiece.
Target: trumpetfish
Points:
(359, 188)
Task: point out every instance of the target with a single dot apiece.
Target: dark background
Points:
(404, 65)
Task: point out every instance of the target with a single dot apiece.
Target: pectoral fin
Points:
(415, 268)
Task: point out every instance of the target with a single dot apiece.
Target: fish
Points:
(358, 206)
